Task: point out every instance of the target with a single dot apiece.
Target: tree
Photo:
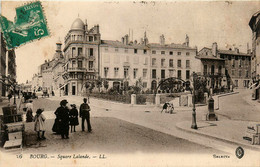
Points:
(99, 83)
(106, 85)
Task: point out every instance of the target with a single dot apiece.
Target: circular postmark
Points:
(240, 152)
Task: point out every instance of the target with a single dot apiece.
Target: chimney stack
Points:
(162, 40)
(126, 39)
(187, 41)
(123, 40)
(145, 39)
(214, 49)
(86, 25)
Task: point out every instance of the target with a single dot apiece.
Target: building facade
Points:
(225, 67)
(254, 24)
(7, 65)
(82, 54)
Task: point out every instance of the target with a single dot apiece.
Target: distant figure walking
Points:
(74, 121)
(10, 96)
(168, 108)
(63, 118)
(85, 115)
(40, 124)
(29, 111)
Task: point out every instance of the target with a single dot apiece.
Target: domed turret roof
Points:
(77, 25)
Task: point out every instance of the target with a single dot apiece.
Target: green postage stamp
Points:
(29, 24)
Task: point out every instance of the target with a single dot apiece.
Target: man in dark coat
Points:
(84, 114)
(63, 118)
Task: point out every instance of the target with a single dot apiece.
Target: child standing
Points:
(74, 121)
(40, 123)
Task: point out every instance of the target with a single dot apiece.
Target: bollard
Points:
(133, 99)
(211, 116)
(206, 98)
(157, 99)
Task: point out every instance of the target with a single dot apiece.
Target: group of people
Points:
(168, 108)
(66, 117)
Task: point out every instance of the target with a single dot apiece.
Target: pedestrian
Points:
(74, 121)
(63, 118)
(56, 125)
(29, 111)
(84, 114)
(40, 124)
(10, 96)
(165, 106)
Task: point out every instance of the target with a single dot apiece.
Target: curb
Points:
(217, 138)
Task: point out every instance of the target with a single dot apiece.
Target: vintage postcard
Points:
(129, 83)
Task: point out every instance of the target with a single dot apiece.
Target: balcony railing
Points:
(76, 69)
(212, 74)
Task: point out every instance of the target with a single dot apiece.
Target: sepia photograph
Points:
(129, 83)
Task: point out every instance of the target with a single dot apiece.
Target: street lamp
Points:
(194, 124)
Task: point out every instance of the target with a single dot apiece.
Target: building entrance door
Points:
(73, 90)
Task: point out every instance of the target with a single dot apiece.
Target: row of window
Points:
(240, 73)
(240, 63)
(163, 64)
(79, 52)
(179, 74)
(144, 51)
(79, 65)
(154, 75)
(229, 57)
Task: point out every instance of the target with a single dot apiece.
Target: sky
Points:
(205, 22)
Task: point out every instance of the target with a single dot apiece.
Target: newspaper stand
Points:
(12, 128)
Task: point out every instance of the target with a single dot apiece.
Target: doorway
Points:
(73, 90)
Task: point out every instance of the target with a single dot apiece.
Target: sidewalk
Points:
(112, 105)
(229, 131)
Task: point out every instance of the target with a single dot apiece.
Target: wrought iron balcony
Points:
(76, 69)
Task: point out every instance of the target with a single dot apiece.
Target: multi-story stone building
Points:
(81, 53)
(225, 67)
(2, 64)
(57, 70)
(7, 65)
(254, 24)
(122, 62)
(152, 62)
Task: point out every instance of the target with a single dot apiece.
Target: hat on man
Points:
(63, 102)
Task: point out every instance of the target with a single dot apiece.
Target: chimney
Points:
(145, 39)
(162, 40)
(97, 28)
(126, 39)
(123, 40)
(236, 50)
(214, 49)
(142, 41)
(187, 41)
(86, 25)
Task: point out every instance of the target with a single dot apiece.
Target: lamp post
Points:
(14, 93)
(194, 124)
